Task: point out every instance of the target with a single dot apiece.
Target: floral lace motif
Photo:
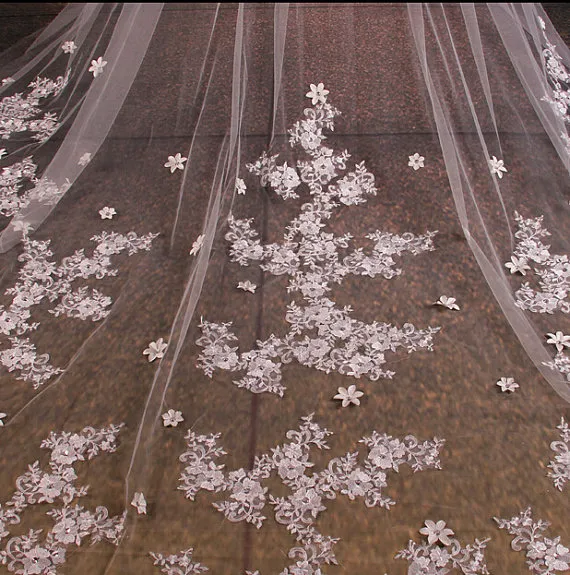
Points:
(560, 467)
(40, 278)
(19, 113)
(545, 556)
(433, 559)
(247, 496)
(321, 335)
(180, 564)
(29, 554)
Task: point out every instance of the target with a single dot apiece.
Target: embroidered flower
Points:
(559, 340)
(517, 265)
(155, 349)
(448, 302)
(349, 395)
(247, 286)
(240, 186)
(317, 93)
(197, 245)
(139, 503)
(107, 213)
(85, 159)
(97, 66)
(175, 163)
(2, 416)
(507, 384)
(497, 167)
(416, 161)
(69, 47)
(437, 532)
(172, 418)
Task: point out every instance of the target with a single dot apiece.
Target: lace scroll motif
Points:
(34, 554)
(560, 467)
(21, 113)
(321, 334)
(41, 279)
(354, 475)
(545, 556)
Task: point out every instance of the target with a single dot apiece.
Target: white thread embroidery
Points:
(32, 555)
(247, 496)
(321, 334)
(545, 556)
(180, 564)
(560, 467)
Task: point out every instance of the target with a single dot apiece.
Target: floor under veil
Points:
(285, 290)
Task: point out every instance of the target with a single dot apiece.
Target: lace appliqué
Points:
(545, 556)
(180, 564)
(32, 554)
(321, 335)
(560, 467)
(40, 279)
(19, 113)
(248, 497)
(433, 559)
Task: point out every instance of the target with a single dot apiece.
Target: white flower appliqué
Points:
(448, 302)
(155, 349)
(507, 384)
(197, 245)
(545, 556)
(497, 167)
(97, 66)
(175, 163)
(559, 340)
(350, 475)
(85, 159)
(240, 187)
(139, 503)
(560, 467)
(3, 153)
(317, 93)
(107, 213)
(348, 396)
(517, 265)
(69, 47)
(247, 286)
(172, 418)
(434, 559)
(416, 161)
(2, 416)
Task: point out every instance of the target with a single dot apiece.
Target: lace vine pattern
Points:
(321, 334)
(40, 279)
(179, 564)
(21, 113)
(560, 467)
(32, 554)
(247, 497)
(553, 272)
(19, 175)
(433, 559)
(545, 556)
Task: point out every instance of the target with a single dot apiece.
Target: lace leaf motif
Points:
(321, 334)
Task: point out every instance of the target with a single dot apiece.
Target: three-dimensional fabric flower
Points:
(2, 416)
(416, 161)
(97, 66)
(559, 340)
(448, 302)
(85, 159)
(172, 418)
(247, 286)
(197, 245)
(317, 93)
(175, 163)
(507, 384)
(517, 265)
(69, 47)
(240, 186)
(3, 153)
(139, 503)
(107, 213)
(437, 532)
(497, 167)
(349, 395)
(155, 349)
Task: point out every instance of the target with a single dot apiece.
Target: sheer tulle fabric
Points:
(287, 287)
